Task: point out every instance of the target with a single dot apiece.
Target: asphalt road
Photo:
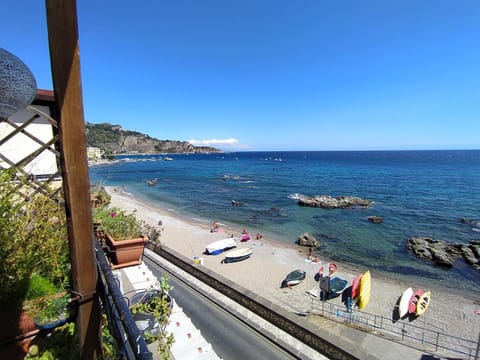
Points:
(230, 338)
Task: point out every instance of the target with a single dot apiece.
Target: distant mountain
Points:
(113, 139)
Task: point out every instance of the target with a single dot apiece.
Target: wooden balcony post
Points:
(65, 64)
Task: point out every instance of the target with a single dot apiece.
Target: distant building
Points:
(94, 153)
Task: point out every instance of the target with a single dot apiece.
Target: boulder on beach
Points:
(330, 202)
(307, 239)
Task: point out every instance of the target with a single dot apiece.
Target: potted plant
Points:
(33, 248)
(151, 309)
(123, 235)
(54, 313)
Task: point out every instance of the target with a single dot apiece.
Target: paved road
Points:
(230, 338)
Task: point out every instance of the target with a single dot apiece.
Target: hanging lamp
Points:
(17, 84)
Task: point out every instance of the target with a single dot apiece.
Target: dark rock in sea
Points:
(475, 246)
(307, 239)
(471, 222)
(330, 202)
(375, 219)
(442, 253)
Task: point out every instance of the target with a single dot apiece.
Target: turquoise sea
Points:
(418, 193)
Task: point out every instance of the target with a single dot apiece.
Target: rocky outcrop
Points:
(113, 139)
(444, 254)
(330, 202)
(307, 239)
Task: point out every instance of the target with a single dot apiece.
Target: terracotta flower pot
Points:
(126, 252)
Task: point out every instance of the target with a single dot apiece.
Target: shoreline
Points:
(273, 259)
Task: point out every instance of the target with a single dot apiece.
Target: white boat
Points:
(404, 301)
(220, 246)
(238, 254)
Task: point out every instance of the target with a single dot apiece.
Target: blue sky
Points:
(273, 75)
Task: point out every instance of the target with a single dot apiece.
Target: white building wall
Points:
(20, 146)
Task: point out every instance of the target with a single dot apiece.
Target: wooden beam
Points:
(65, 63)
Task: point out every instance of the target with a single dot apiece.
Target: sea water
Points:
(417, 193)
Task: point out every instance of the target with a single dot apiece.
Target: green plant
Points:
(33, 237)
(60, 344)
(117, 223)
(153, 233)
(40, 286)
(157, 303)
(101, 196)
(54, 309)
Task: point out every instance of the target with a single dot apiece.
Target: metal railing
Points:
(420, 337)
(130, 342)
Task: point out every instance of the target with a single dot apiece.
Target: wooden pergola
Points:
(68, 111)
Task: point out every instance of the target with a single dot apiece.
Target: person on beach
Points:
(259, 236)
(215, 227)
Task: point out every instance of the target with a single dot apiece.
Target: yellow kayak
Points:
(364, 293)
(423, 302)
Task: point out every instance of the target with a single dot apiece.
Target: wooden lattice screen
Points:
(29, 144)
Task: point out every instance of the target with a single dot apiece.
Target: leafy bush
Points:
(33, 237)
(40, 286)
(118, 223)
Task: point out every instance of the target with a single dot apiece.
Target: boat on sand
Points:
(336, 287)
(412, 304)
(238, 255)
(294, 278)
(220, 246)
(423, 302)
(356, 286)
(404, 302)
(364, 290)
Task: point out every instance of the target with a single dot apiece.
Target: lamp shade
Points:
(17, 84)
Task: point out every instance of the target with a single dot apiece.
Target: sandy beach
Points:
(264, 272)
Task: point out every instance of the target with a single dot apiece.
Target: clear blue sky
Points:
(273, 75)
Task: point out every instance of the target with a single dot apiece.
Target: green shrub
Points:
(40, 286)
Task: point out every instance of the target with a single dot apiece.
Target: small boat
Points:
(152, 182)
(294, 278)
(220, 246)
(332, 269)
(337, 286)
(238, 255)
(364, 290)
(423, 302)
(404, 302)
(356, 286)
(412, 304)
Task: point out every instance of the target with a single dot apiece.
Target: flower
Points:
(117, 223)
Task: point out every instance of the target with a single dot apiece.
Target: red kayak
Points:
(412, 305)
(356, 286)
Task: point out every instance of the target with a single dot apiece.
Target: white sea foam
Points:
(295, 196)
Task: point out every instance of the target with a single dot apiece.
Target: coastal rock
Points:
(375, 219)
(307, 239)
(469, 256)
(471, 222)
(442, 253)
(330, 202)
